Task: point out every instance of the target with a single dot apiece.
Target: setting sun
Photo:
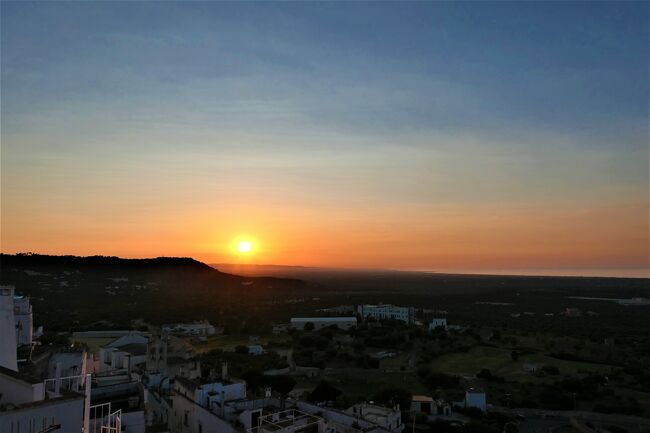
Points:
(244, 246)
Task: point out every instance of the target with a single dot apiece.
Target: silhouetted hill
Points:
(78, 292)
(42, 260)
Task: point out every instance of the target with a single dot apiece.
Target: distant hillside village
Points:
(169, 378)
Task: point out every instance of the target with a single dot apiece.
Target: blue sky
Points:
(562, 64)
(389, 104)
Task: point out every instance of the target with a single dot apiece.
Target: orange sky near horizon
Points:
(485, 239)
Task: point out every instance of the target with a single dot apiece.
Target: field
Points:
(500, 363)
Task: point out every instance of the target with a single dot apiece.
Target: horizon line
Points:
(501, 272)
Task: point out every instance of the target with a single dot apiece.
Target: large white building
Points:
(387, 311)
(323, 322)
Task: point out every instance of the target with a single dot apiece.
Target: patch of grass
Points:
(499, 362)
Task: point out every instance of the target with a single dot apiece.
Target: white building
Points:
(34, 401)
(255, 350)
(24, 320)
(387, 311)
(323, 322)
(475, 398)
(204, 407)
(16, 319)
(124, 353)
(430, 407)
(385, 417)
(8, 338)
(191, 329)
(438, 323)
(68, 362)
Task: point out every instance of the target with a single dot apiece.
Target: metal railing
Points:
(54, 386)
(103, 420)
(288, 419)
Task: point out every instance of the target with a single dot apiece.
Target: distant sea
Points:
(579, 272)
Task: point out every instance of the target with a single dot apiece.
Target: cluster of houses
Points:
(136, 381)
(442, 409)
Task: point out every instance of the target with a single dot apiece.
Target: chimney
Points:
(223, 403)
(224, 370)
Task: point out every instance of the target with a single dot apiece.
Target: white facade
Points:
(8, 343)
(71, 363)
(209, 394)
(18, 391)
(60, 403)
(67, 413)
(438, 323)
(202, 408)
(16, 326)
(474, 398)
(387, 311)
(124, 353)
(189, 417)
(24, 320)
(323, 322)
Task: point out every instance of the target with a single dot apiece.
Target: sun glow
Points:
(244, 246)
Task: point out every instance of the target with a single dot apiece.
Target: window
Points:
(186, 420)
